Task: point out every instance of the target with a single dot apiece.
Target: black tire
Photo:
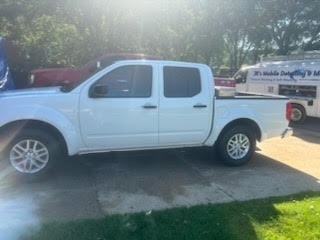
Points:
(31, 152)
(298, 114)
(236, 145)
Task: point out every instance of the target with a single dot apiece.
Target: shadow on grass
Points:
(199, 222)
(219, 221)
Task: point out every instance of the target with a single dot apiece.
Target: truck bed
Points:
(231, 93)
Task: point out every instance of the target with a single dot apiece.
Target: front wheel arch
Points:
(10, 130)
(42, 136)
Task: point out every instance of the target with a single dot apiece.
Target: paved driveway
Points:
(94, 185)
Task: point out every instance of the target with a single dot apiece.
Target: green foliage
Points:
(291, 24)
(216, 32)
(291, 217)
(50, 41)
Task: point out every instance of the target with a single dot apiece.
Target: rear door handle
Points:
(148, 106)
(200, 105)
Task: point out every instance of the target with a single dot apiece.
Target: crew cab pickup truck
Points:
(136, 105)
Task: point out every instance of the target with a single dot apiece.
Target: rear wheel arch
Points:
(243, 122)
(237, 142)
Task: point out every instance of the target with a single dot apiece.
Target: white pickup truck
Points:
(136, 105)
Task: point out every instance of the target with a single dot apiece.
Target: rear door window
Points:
(181, 82)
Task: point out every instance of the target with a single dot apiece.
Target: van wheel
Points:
(31, 153)
(298, 114)
(237, 145)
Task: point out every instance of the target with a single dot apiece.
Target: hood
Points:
(30, 92)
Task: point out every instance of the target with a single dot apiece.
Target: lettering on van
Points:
(282, 75)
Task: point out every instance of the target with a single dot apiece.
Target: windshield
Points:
(95, 66)
(93, 69)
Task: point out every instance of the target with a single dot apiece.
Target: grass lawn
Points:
(290, 217)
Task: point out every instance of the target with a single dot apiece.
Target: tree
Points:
(50, 41)
(292, 24)
(237, 18)
(208, 32)
(216, 32)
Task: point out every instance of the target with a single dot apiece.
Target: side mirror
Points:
(99, 91)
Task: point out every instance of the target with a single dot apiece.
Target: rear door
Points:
(185, 107)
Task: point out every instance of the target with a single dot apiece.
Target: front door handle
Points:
(200, 105)
(148, 106)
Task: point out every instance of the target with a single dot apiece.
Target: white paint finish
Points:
(90, 125)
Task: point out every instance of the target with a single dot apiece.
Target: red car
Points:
(224, 81)
(44, 77)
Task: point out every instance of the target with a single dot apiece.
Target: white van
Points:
(297, 79)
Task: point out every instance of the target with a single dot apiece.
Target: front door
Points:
(120, 110)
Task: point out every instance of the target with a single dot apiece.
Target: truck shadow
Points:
(308, 131)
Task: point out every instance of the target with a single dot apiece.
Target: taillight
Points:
(288, 111)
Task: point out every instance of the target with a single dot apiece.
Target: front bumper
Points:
(287, 132)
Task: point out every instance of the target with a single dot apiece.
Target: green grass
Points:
(291, 217)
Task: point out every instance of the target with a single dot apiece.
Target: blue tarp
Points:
(6, 82)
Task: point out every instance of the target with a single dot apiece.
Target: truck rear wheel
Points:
(298, 114)
(31, 152)
(237, 145)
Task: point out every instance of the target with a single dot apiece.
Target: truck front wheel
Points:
(237, 145)
(31, 152)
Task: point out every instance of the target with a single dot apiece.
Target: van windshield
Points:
(241, 76)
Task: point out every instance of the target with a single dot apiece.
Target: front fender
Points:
(65, 123)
